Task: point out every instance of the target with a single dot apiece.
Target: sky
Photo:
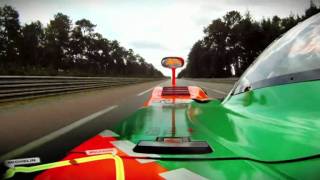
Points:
(153, 28)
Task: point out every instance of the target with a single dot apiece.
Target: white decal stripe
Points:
(101, 151)
(181, 173)
(108, 133)
(13, 162)
(127, 146)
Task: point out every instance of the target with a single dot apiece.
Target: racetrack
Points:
(50, 127)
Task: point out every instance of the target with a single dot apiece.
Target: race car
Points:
(267, 127)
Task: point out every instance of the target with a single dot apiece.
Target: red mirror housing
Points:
(172, 63)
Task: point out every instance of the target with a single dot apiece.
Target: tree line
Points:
(231, 43)
(64, 48)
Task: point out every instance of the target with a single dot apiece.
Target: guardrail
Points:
(25, 87)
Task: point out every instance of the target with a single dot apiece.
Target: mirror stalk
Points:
(173, 79)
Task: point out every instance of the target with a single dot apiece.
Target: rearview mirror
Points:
(172, 62)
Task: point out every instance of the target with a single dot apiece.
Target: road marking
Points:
(53, 135)
(127, 146)
(215, 90)
(142, 93)
(181, 173)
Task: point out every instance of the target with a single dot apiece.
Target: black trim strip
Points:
(293, 160)
(304, 76)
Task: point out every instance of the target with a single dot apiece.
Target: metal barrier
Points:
(25, 87)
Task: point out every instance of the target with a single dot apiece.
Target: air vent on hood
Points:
(173, 145)
(176, 90)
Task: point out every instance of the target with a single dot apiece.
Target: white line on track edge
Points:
(142, 93)
(215, 90)
(53, 135)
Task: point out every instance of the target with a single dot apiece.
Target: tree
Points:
(312, 10)
(57, 40)
(217, 34)
(82, 45)
(85, 26)
(9, 35)
(289, 22)
(32, 44)
(60, 48)
(233, 42)
(250, 41)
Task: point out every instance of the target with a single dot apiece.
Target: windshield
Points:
(296, 53)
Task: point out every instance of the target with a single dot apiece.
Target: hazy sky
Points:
(153, 28)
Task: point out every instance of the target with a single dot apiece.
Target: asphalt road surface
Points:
(50, 127)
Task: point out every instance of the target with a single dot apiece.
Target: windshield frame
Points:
(244, 85)
(304, 76)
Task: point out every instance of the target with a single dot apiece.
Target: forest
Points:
(64, 48)
(231, 43)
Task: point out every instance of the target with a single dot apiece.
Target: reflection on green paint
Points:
(155, 121)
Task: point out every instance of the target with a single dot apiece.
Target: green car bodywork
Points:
(273, 123)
